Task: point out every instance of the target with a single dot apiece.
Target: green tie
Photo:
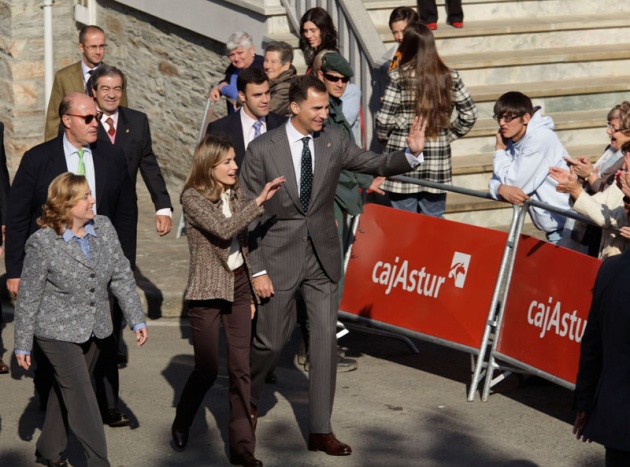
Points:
(81, 168)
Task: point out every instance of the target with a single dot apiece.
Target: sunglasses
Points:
(87, 118)
(335, 79)
(507, 118)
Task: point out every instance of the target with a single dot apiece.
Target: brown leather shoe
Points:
(329, 444)
(246, 460)
(115, 418)
(4, 368)
(253, 413)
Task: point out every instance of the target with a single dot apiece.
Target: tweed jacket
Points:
(64, 295)
(394, 120)
(210, 236)
(67, 80)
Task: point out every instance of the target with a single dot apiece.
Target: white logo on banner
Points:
(404, 276)
(459, 268)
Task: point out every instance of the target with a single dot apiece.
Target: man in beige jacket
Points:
(74, 78)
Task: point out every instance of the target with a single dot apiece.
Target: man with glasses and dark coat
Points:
(75, 150)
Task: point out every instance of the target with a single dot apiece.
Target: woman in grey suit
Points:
(219, 289)
(64, 305)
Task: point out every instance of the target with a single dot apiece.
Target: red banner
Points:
(424, 274)
(547, 307)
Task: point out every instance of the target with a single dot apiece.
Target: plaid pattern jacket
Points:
(393, 122)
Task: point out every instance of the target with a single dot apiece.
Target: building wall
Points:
(169, 73)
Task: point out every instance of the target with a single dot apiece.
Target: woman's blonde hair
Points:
(64, 192)
(209, 153)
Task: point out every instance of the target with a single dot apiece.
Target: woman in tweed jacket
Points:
(63, 304)
(423, 85)
(219, 289)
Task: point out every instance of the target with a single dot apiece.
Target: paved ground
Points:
(397, 409)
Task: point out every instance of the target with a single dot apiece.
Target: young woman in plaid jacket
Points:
(423, 85)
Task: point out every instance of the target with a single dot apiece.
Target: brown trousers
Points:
(205, 317)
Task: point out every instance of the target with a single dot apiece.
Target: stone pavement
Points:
(397, 409)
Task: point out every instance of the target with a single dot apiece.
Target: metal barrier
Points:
(483, 367)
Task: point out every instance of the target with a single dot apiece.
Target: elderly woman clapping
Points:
(607, 209)
(63, 305)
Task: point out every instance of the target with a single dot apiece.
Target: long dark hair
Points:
(324, 22)
(422, 69)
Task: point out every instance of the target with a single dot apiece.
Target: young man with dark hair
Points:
(526, 148)
(253, 118)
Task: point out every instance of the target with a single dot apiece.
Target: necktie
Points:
(257, 126)
(88, 84)
(306, 175)
(111, 131)
(81, 167)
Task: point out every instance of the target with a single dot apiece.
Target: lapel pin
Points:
(328, 145)
(127, 130)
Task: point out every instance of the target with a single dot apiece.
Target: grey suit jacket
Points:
(63, 295)
(278, 241)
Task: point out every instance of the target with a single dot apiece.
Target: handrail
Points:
(482, 194)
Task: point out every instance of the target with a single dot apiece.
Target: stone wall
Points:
(169, 70)
(22, 106)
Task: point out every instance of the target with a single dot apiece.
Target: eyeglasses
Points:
(335, 79)
(87, 118)
(94, 48)
(615, 130)
(507, 118)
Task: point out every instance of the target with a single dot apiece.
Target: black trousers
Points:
(428, 11)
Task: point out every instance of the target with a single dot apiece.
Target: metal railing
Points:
(359, 42)
(485, 364)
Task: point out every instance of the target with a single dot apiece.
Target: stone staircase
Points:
(571, 57)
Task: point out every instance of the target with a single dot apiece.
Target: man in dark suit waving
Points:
(295, 246)
(241, 127)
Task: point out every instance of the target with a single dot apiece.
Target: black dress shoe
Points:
(329, 444)
(116, 418)
(180, 437)
(50, 463)
(61, 463)
(246, 460)
(4, 368)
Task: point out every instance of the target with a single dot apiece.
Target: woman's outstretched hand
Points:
(269, 190)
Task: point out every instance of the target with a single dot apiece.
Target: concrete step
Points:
(537, 65)
(477, 211)
(575, 128)
(480, 10)
(558, 95)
